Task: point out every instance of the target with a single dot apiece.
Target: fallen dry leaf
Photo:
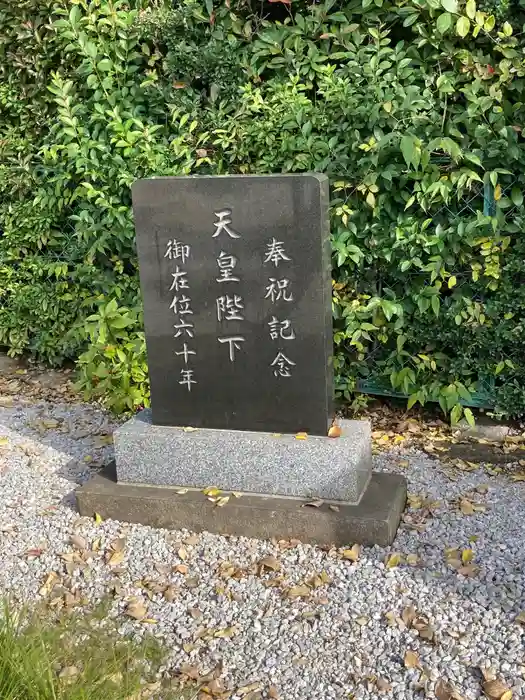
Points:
(411, 659)
(335, 431)
(393, 560)
(520, 618)
(353, 553)
(170, 593)
(412, 559)
(252, 688)
(408, 615)
(182, 554)
(334, 508)
(181, 492)
(189, 429)
(383, 685)
(116, 558)
(270, 563)
(466, 507)
(423, 628)
(313, 504)
(467, 555)
(301, 591)
(446, 691)
(118, 545)
(273, 693)
(191, 540)
(211, 491)
(78, 542)
(136, 610)
(496, 690)
(222, 501)
(181, 569)
(190, 671)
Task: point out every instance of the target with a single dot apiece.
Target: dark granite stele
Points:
(373, 521)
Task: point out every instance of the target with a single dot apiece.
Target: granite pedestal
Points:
(235, 460)
(162, 471)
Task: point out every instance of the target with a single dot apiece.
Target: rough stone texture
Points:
(373, 521)
(317, 467)
(486, 429)
(198, 377)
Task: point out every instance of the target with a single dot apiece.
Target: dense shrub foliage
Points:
(414, 109)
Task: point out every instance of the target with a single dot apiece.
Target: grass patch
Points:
(76, 657)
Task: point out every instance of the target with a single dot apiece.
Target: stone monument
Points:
(235, 278)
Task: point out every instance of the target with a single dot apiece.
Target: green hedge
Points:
(413, 109)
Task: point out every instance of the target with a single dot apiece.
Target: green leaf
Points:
(450, 6)
(490, 23)
(408, 148)
(444, 22)
(517, 196)
(414, 398)
(435, 304)
(507, 29)
(456, 413)
(471, 8)
(452, 281)
(74, 15)
(469, 417)
(104, 65)
(462, 26)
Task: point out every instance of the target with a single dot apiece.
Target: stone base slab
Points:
(373, 521)
(235, 460)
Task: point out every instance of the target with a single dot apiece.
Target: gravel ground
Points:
(450, 594)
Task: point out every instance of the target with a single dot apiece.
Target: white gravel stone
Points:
(332, 645)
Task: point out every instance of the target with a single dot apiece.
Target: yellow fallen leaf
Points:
(237, 494)
(4, 440)
(211, 491)
(222, 501)
(149, 621)
(189, 429)
(411, 659)
(98, 518)
(467, 555)
(412, 559)
(116, 558)
(334, 432)
(353, 553)
(393, 560)
(301, 436)
(404, 463)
